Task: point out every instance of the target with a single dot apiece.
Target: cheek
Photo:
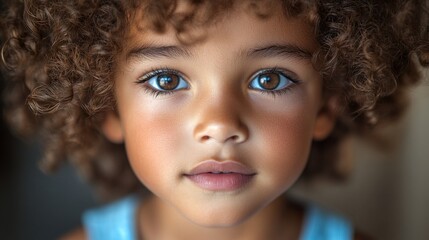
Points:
(152, 142)
(284, 141)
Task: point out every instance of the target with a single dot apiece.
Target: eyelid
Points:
(155, 71)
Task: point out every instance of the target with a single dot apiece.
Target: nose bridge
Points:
(219, 118)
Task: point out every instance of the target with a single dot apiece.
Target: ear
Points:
(326, 119)
(112, 128)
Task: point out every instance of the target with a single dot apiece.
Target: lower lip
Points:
(220, 182)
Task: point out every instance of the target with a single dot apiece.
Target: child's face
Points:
(247, 95)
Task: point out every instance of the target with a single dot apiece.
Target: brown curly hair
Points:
(58, 57)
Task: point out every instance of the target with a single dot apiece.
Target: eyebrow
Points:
(287, 50)
(152, 52)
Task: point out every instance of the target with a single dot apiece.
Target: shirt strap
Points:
(321, 225)
(113, 221)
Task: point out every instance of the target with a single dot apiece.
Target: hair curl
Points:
(59, 56)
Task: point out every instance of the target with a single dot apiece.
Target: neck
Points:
(278, 220)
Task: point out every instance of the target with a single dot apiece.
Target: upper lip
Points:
(213, 166)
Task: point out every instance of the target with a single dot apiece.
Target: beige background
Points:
(387, 195)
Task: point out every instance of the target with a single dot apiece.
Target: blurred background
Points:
(386, 195)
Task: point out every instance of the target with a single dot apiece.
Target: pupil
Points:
(269, 81)
(168, 81)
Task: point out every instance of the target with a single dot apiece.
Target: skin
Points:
(218, 116)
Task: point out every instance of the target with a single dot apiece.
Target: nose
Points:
(220, 122)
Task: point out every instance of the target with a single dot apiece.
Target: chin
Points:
(219, 219)
(211, 222)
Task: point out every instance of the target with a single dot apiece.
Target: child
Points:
(217, 106)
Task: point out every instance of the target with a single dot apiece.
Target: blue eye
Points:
(164, 81)
(270, 80)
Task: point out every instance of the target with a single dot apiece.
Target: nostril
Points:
(205, 138)
(234, 138)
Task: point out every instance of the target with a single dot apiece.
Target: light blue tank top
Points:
(322, 225)
(116, 221)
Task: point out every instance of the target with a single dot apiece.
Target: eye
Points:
(270, 80)
(163, 81)
(167, 82)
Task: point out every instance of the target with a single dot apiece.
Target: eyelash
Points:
(156, 71)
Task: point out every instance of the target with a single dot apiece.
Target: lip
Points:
(221, 176)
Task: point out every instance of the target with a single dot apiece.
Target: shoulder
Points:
(77, 234)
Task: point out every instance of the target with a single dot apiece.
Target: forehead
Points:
(241, 22)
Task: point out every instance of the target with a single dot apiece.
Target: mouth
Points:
(221, 176)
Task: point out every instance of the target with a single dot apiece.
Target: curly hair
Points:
(58, 57)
